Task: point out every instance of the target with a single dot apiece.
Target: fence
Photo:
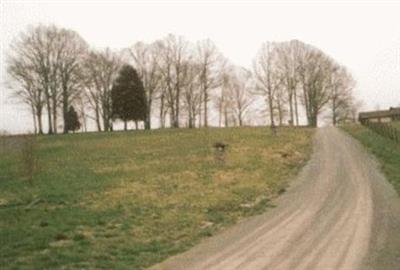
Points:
(384, 129)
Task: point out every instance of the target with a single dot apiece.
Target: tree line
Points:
(179, 83)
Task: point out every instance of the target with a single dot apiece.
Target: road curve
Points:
(339, 213)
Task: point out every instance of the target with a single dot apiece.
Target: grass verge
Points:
(386, 150)
(128, 200)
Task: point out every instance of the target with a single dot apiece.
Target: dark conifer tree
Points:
(72, 120)
(128, 96)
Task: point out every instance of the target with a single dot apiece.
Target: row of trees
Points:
(180, 83)
(287, 72)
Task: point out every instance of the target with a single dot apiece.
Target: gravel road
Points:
(340, 213)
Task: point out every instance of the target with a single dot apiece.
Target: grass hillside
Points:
(386, 150)
(396, 124)
(127, 200)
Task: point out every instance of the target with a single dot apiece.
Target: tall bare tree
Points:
(287, 66)
(341, 96)
(71, 51)
(27, 88)
(267, 82)
(52, 56)
(223, 100)
(315, 73)
(173, 56)
(211, 62)
(191, 92)
(34, 50)
(239, 98)
(101, 69)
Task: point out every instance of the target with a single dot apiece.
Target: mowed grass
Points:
(386, 150)
(127, 200)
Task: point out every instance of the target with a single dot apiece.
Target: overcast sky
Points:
(365, 37)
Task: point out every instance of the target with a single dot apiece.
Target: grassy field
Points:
(386, 150)
(127, 200)
(396, 124)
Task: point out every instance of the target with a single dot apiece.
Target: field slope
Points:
(128, 200)
(386, 150)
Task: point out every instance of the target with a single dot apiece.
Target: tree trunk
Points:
(200, 119)
(271, 110)
(205, 109)
(54, 115)
(190, 122)
(240, 119)
(177, 105)
(334, 115)
(34, 120)
(84, 122)
(190, 116)
(125, 125)
(296, 107)
(147, 123)
(314, 116)
(136, 125)
(48, 103)
(105, 123)
(226, 117)
(98, 119)
(314, 122)
(194, 117)
(65, 108)
(106, 119)
(291, 107)
(220, 111)
(162, 119)
(39, 119)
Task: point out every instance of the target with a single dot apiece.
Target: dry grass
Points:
(129, 200)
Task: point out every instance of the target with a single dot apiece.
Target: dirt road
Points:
(339, 214)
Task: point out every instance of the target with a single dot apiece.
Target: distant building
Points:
(393, 114)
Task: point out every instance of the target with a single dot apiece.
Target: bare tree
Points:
(287, 66)
(34, 50)
(211, 62)
(280, 101)
(101, 69)
(267, 82)
(341, 96)
(51, 56)
(315, 73)
(82, 105)
(222, 100)
(145, 59)
(27, 87)
(173, 56)
(71, 51)
(192, 92)
(162, 104)
(239, 98)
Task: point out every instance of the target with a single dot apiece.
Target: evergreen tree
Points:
(128, 96)
(72, 120)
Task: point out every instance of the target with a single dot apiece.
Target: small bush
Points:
(60, 237)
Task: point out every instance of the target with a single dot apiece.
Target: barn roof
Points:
(393, 111)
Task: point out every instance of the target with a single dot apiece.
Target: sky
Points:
(363, 36)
